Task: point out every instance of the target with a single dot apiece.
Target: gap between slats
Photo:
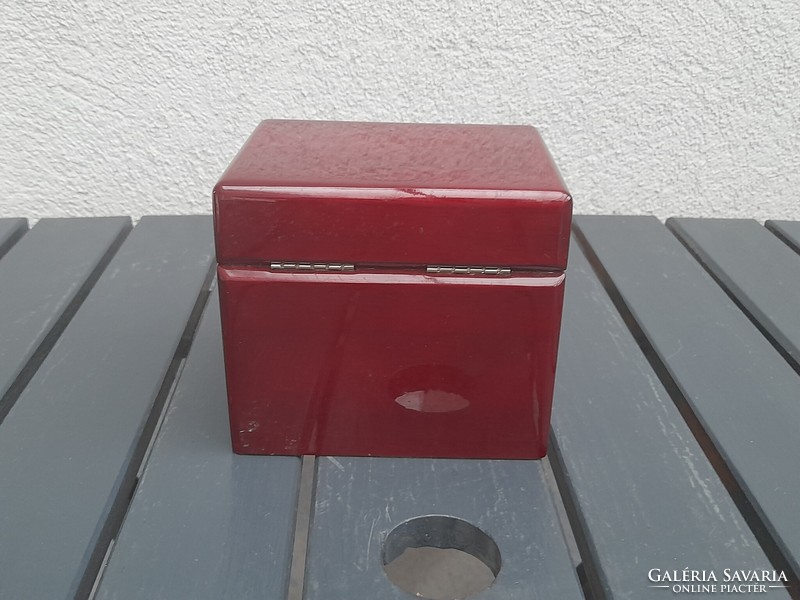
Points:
(573, 523)
(142, 464)
(302, 529)
(783, 236)
(753, 319)
(760, 531)
(103, 550)
(568, 519)
(16, 235)
(40, 354)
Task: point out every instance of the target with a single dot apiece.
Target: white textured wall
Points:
(650, 107)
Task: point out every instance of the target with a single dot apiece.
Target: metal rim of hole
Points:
(442, 532)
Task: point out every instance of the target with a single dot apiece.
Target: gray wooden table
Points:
(675, 439)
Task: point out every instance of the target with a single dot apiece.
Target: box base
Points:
(390, 364)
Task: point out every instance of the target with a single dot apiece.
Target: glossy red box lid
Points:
(388, 193)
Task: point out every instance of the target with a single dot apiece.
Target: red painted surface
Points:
(392, 194)
(389, 360)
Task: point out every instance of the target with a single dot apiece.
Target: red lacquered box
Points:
(391, 289)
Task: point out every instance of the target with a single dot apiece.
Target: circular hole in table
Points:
(440, 557)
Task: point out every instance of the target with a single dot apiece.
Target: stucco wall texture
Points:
(649, 107)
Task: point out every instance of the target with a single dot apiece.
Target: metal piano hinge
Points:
(304, 266)
(457, 270)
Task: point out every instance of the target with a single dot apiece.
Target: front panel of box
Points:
(390, 363)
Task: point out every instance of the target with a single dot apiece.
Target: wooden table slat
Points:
(359, 500)
(70, 446)
(204, 522)
(43, 279)
(638, 484)
(742, 392)
(643, 487)
(756, 268)
(788, 231)
(11, 230)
